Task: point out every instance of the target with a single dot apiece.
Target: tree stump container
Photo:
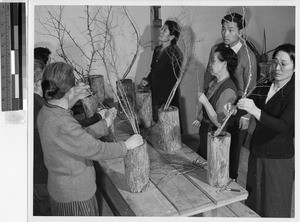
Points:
(90, 106)
(126, 87)
(97, 86)
(137, 169)
(169, 129)
(92, 103)
(218, 159)
(143, 108)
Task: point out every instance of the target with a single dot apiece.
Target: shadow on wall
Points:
(192, 81)
(144, 62)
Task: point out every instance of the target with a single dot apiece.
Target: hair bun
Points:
(49, 89)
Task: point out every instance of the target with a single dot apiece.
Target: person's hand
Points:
(144, 83)
(196, 123)
(81, 91)
(229, 108)
(134, 141)
(247, 105)
(110, 115)
(243, 123)
(202, 98)
(112, 111)
(102, 112)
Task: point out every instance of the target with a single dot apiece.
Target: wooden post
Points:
(92, 103)
(126, 86)
(143, 108)
(97, 86)
(218, 159)
(169, 129)
(90, 106)
(137, 169)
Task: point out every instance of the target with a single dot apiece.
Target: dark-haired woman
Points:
(271, 160)
(221, 91)
(165, 68)
(69, 149)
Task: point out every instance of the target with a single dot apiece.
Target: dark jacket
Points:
(162, 77)
(274, 133)
(40, 174)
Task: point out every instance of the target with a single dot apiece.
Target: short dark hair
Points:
(58, 79)
(288, 48)
(227, 54)
(235, 17)
(42, 54)
(174, 30)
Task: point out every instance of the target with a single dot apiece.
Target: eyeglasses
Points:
(282, 65)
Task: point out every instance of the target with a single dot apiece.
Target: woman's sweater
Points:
(68, 153)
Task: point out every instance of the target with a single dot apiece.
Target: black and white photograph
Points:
(149, 110)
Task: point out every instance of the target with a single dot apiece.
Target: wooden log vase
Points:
(137, 169)
(218, 148)
(97, 86)
(126, 87)
(169, 129)
(92, 103)
(90, 106)
(143, 108)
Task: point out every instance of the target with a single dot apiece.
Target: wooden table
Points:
(177, 186)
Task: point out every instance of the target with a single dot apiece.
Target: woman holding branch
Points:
(221, 91)
(69, 149)
(165, 68)
(271, 161)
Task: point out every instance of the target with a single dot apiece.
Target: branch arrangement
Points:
(102, 30)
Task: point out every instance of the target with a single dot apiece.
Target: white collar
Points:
(237, 47)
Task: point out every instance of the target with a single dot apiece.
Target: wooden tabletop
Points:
(178, 187)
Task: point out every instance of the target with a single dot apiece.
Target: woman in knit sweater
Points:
(70, 149)
(221, 90)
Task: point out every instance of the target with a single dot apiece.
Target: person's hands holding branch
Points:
(202, 98)
(249, 106)
(196, 123)
(80, 92)
(102, 112)
(110, 115)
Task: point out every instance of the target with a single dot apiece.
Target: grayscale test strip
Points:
(11, 55)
